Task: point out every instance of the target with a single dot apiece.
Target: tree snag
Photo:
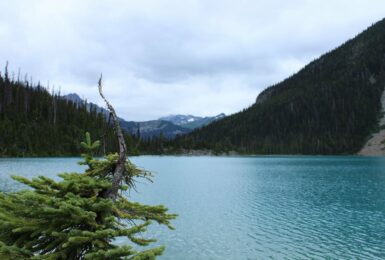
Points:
(120, 169)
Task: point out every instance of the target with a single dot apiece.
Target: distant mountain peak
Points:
(170, 125)
(73, 97)
(190, 121)
(221, 115)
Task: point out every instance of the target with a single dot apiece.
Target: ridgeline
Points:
(330, 106)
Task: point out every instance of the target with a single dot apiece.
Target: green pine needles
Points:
(74, 219)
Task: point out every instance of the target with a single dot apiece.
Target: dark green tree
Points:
(80, 216)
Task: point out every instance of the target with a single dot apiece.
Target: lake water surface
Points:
(254, 207)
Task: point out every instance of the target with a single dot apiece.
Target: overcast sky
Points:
(174, 57)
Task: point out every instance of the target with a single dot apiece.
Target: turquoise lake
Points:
(254, 207)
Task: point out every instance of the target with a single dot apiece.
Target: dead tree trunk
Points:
(120, 168)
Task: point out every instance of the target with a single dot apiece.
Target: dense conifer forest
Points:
(330, 106)
(35, 122)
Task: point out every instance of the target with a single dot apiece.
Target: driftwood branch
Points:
(120, 169)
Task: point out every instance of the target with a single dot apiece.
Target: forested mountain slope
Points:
(328, 107)
(35, 123)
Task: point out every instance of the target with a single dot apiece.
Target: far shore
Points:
(206, 152)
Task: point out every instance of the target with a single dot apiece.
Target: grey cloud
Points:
(163, 57)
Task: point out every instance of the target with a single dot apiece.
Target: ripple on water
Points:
(255, 207)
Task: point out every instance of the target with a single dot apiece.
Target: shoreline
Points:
(207, 152)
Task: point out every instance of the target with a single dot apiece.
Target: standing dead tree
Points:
(120, 169)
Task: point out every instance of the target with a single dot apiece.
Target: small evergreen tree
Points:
(80, 216)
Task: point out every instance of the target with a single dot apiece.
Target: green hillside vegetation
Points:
(34, 122)
(328, 107)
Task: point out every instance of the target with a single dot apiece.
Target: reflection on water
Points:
(255, 207)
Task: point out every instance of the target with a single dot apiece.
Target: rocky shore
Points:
(375, 146)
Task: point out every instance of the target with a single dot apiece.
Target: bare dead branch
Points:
(119, 172)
